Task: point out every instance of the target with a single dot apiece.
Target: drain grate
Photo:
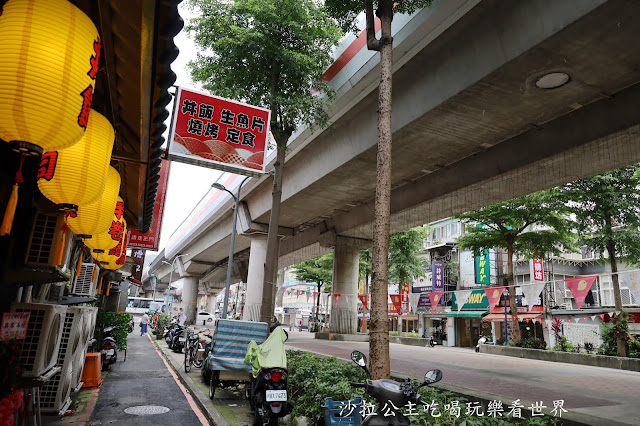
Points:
(143, 410)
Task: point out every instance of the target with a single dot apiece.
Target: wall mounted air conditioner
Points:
(90, 314)
(54, 395)
(44, 332)
(82, 284)
(44, 239)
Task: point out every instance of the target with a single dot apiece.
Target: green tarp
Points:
(270, 354)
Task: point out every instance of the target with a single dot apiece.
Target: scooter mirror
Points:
(359, 358)
(432, 376)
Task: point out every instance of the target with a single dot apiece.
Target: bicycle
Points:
(192, 345)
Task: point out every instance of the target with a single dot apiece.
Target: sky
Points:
(187, 183)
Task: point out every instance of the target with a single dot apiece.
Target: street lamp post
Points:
(171, 273)
(236, 199)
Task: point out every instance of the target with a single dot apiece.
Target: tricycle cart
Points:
(225, 360)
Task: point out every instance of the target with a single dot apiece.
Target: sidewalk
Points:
(229, 406)
(142, 391)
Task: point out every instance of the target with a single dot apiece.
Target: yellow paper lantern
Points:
(114, 258)
(49, 55)
(95, 218)
(76, 176)
(101, 243)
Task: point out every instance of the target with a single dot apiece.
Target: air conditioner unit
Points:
(54, 394)
(44, 332)
(90, 314)
(44, 239)
(82, 284)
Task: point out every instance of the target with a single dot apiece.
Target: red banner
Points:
(218, 133)
(14, 325)
(538, 272)
(151, 240)
(580, 287)
(298, 293)
(493, 295)
(336, 298)
(364, 298)
(434, 297)
(315, 295)
(396, 299)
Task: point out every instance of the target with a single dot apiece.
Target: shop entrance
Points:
(469, 331)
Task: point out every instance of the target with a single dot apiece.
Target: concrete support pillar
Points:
(148, 293)
(255, 278)
(190, 298)
(344, 315)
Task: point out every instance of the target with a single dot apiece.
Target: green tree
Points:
(346, 13)
(319, 271)
(404, 265)
(269, 54)
(530, 226)
(607, 208)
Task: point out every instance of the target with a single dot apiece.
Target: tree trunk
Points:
(273, 243)
(617, 296)
(514, 325)
(379, 364)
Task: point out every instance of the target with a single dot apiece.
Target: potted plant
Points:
(163, 321)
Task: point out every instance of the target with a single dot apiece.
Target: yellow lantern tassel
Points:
(60, 251)
(100, 284)
(108, 288)
(95, 271)
(7, 221)
(79, 261)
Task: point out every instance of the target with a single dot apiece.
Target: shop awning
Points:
(466, 314)
(500, 317)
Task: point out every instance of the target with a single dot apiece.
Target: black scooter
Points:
(400, 394)
(109, 348)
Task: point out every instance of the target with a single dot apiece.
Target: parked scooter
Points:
(386, 391)
(267, 391)
(481, 341)
(109, 351)
(172, 335)
(432, 341)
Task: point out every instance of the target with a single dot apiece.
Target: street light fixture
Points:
(236, 199)
(170, 274)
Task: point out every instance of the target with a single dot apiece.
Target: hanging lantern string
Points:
(7, 221)
(100, 284)
(61, 244)
(79, 261)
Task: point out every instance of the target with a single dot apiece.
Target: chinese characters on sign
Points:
(494, 409)
(538, 273)
(437, 269)
(218, 133)
(138, 257)
(14, 325)
(150, 240)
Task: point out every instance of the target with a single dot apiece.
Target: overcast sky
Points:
(187, 183)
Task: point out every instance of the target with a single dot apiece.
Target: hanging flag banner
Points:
(364, 299)
(493, 295)
(315, 295)
(462, 297)
(150, 240)
(482, 275)
(580, 287)
(532, 293)
(435, 297)
(218, 133)
(413, 302)
(396, 300)
(437, 271)
(298, 293)
(632, 280)
(536, 272)
(336, 298)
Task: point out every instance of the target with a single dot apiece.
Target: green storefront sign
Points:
(477, 300)
(483, 275)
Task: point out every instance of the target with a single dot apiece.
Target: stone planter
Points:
(619, 363)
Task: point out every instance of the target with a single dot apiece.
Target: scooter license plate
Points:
(276, 395)
(182, 339)
(110, 352)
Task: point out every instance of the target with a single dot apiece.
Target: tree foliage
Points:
(404, 265)
(606, 209)
(533, 226)
(318, 270)
(270, 54)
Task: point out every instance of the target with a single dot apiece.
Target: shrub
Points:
(610, 333)
(532, 343)
(589, 347)
(563, 345)
(163, 321)
(119, 320)
(393, 333)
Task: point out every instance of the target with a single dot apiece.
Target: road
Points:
(592, 395)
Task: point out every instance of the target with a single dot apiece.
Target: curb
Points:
(207, 407)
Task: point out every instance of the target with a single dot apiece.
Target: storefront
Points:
(529, 319)
(468, 325)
